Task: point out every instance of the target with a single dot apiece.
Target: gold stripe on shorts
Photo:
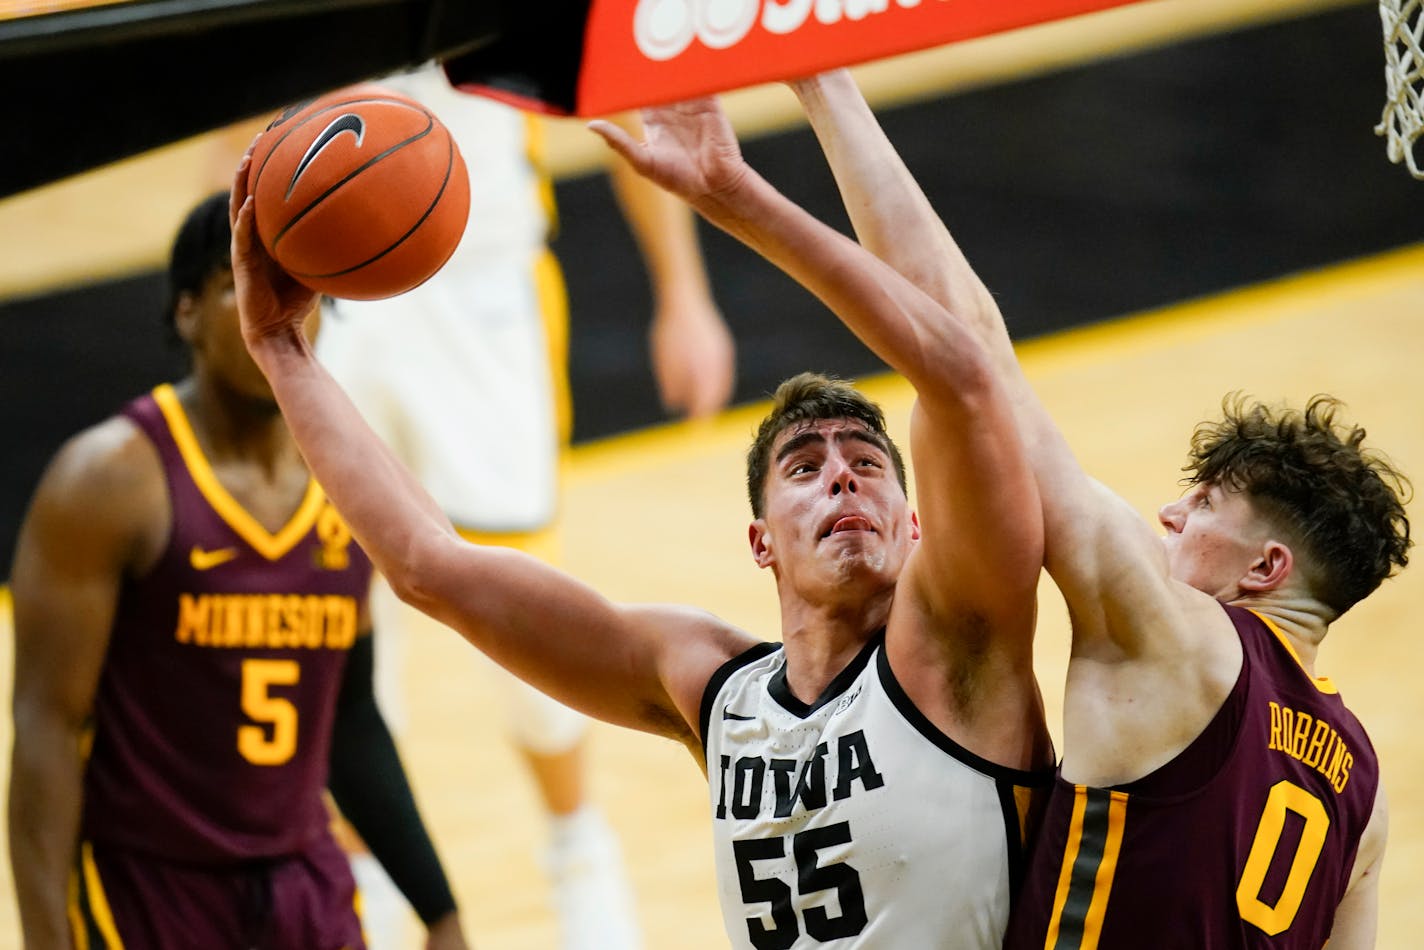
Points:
(1089, 864)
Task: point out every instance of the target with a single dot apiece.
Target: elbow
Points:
(412, 576)
(951, 358)
(963, 389)
(977, 380)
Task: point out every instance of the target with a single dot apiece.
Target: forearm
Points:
(386, 508)
(889, 211)
(907, 329)
(894, 219)
(370, 787)
(46, 783)
(663, 228)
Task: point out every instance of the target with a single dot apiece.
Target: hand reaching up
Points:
(269, 301)
(689, 149)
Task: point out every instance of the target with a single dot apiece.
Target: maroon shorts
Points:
(299, 902)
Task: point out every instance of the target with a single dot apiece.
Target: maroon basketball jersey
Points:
(1245, 839)
(213, 715)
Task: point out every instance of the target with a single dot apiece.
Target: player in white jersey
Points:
(795, 785)
(941, 600)
(477, 354)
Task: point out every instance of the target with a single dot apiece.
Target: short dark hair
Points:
(202, 247)
(808, 397)
(1340, 504)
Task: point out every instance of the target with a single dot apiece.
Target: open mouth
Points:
(848, 523)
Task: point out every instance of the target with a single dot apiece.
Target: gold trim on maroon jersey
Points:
(1322, 683)
(271, 546)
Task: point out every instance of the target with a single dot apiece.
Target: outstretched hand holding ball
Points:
(360, 193)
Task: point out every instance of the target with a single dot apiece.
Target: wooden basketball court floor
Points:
(660, 516)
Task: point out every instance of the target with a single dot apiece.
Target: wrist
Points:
(269, 344)
(813, 88)
(681, 301)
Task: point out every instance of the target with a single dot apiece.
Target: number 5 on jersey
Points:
(274, 742)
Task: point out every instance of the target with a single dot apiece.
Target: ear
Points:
(185, 317)
(1271, 570)
(914, 526)
(760, 537)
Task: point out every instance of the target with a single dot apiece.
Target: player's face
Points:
(209, 322)
(835, 516)
(1213, 537)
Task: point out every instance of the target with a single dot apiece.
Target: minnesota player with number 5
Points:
(871, 775)
(191, 653)
(1214, 792)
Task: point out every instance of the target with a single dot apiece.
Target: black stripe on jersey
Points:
(719, 678)
(1042, 778)
(1017, 858)
(1091, 844)
(780, 690)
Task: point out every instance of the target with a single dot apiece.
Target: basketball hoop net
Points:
(1403, 120)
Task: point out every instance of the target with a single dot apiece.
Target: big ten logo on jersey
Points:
(812, 783)
(335, 538)
(663, 29)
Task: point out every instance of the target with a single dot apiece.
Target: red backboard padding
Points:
(644, 52)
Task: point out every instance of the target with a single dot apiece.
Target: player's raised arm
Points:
(1089, 532)
(638, 667)
(892, 217)
(975, 490)
(691, 151)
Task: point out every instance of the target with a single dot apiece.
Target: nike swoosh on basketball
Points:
(728, 714)
(346, 122)
(203, 560)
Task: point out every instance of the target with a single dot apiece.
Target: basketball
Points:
(360, 193)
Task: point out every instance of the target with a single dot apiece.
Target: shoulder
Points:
(699, 636)
(693, 646)
(104, 480)
(112, 459)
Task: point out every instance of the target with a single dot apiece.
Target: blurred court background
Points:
(1173, 200)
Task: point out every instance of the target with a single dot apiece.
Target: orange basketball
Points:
(360, 193)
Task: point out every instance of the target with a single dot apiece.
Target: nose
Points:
(843, 479)
(1172, 515)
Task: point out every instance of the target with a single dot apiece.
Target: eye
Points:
(868, 462)
(800, 468)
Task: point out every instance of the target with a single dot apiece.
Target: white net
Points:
(1402, 123)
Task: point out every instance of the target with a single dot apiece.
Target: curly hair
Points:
(804, 398)
(1338, 503)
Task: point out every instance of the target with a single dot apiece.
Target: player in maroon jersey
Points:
(1214, 792)
(193, 669)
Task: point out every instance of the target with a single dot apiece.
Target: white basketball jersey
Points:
(853, 822)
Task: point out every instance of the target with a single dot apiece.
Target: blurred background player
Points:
(193, 667)
(477, 356)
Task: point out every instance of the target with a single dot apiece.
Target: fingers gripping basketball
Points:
(360, 194)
